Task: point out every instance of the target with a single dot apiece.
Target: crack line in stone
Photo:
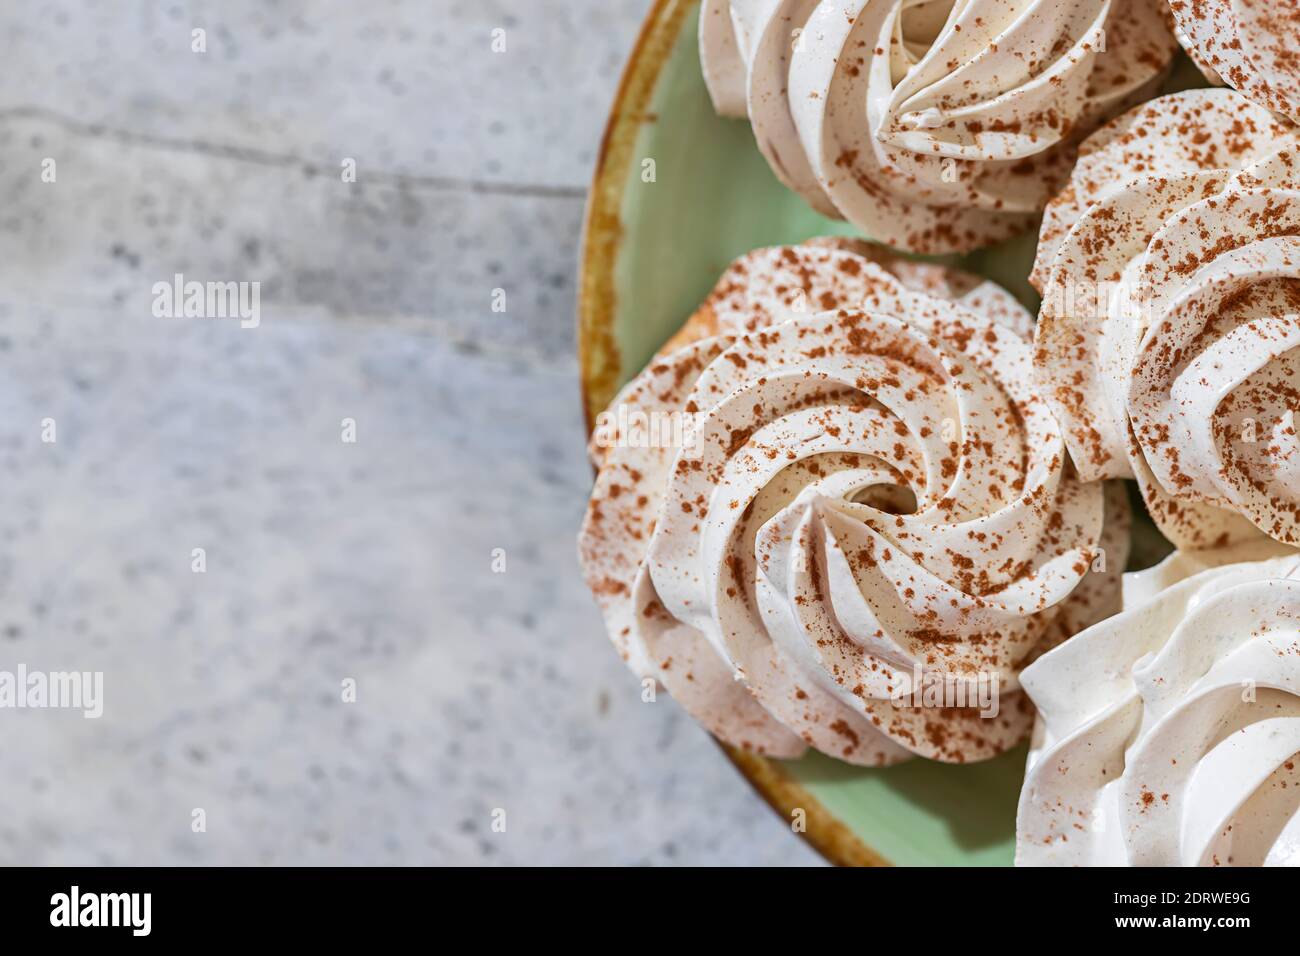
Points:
(250, 154)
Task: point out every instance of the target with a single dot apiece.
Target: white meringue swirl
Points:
(1251, 45)
(1171, 315)
(932, 125)
(871, 495)
(1170, 734)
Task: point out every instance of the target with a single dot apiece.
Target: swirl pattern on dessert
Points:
(1167, 339)
(874, 493)
(934, 126)
(1170, 734)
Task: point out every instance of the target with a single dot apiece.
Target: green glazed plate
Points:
(678, 193)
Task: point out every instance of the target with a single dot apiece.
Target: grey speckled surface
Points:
(325, 560)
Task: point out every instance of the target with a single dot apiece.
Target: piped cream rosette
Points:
(1170, 733)
(872, 502)
(933, 126)
(1167, 342)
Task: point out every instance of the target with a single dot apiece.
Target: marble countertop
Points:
(132, 149)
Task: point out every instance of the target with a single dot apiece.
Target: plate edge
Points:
(599, 364)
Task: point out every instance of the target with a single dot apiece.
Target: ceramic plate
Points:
(677, 194)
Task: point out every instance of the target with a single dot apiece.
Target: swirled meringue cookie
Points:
(1251, 45)
(1171, 315)
(933, 126)
(872, 502)
(1169, 734)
